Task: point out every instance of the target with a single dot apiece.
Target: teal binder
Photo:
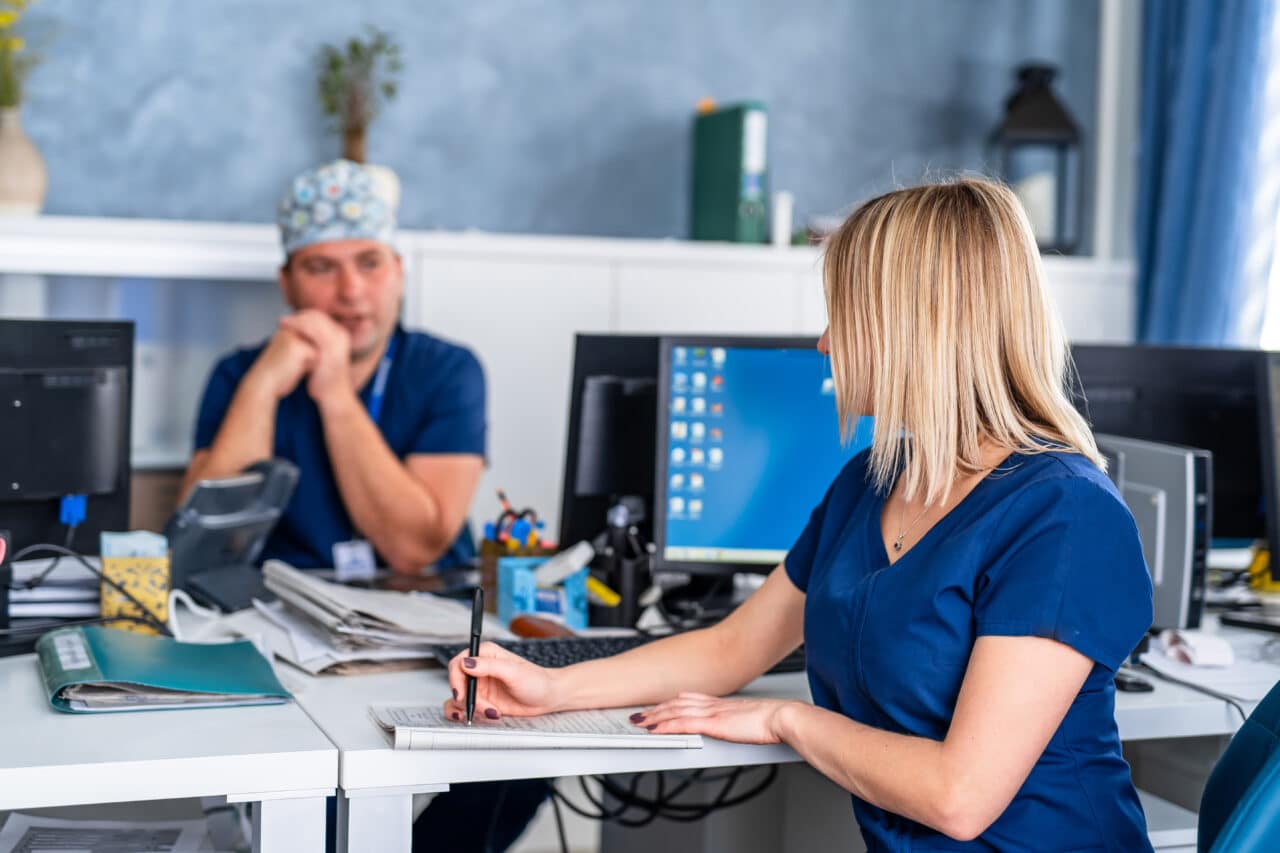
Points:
(93, 669)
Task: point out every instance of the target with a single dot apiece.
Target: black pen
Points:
(477, 622)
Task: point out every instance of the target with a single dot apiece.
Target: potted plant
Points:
(23, 179)
(352, 84)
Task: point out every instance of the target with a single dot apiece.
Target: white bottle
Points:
(783, 207)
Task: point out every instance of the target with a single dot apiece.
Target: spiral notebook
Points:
(427, 728)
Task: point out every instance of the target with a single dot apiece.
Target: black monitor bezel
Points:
(1268, 427)
(662, 428)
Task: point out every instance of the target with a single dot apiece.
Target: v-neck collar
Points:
(881, 552)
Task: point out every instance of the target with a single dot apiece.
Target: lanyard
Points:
(379, 390)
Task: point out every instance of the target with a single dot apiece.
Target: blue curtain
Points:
(1203, 68)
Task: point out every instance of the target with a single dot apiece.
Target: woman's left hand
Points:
(737, 720)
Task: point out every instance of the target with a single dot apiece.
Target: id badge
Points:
(353, 560)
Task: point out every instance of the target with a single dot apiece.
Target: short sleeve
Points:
(1069, 568)
(799, 560)
(215, 402)
(455, 421)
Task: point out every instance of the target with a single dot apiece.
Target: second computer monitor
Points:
(748, 442)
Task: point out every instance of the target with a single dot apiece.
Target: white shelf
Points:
(67, 245)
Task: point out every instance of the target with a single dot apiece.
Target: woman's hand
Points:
(737, 720)
(506, 685)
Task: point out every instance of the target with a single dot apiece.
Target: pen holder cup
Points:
(490, 553)
(519, 593)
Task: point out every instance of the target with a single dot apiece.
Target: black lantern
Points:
(1037, 149)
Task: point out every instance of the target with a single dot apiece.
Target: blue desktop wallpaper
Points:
(770, 415)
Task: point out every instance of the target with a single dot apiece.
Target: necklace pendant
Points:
(897, 546)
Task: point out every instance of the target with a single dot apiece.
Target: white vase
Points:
(23, 179)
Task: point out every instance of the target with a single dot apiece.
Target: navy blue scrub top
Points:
(434, 402)
(1042, 547)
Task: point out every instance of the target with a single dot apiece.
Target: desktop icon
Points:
(717, 383)
(697, 456)
(716, 455)
(695, 507)
(677, 480)
(678, 405)
(717, 408)
(699, 380)
(697, 431)
(677, 505)
(695, 481)
(699, 353)
(698, 405)
(677, 455)
(680, 355)
(717, 434)
(679, 430)
(717, 356)
(680, 379)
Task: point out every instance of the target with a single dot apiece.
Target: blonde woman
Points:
(965, 590)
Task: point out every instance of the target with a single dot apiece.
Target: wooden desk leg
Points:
(381, 823)
(288, 825)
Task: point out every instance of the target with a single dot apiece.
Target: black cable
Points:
(663, 803)
(37, 579)
(1199, 688)
(147, 616)
(493, 817)
(555, 807)
(45, 627)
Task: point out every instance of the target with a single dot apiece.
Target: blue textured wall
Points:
(550, 117)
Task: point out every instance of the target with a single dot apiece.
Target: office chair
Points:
(1240, 808)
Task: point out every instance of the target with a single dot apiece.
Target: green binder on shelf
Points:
(730, 174)
(93, 669)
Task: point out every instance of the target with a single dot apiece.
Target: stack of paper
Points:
(425, 727)
(328, 627)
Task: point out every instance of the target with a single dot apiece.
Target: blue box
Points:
(519, 593)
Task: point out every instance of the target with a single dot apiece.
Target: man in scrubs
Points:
(386, 426)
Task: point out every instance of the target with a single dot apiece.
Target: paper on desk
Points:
(381, 617)
(29, 834)
(426, 727)
(310, 648)
(1248, 679)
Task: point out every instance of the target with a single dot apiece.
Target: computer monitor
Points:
(748, 443)
(65, 391)
(609, 452)
(1195, 397)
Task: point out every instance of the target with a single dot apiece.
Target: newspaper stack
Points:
(328, 627)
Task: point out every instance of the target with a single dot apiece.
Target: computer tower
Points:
(1169, 490)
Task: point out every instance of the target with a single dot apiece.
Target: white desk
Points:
(378, 783)
(272, 755)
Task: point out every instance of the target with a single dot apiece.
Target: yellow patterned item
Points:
(138, 561)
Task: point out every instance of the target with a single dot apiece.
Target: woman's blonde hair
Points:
(940, 326)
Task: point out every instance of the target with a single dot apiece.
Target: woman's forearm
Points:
(694, 660)
(907, 775)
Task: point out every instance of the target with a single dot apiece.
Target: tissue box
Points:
(139, 562)
(519, 593)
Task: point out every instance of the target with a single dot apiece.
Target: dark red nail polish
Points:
(469, 663)
(637, 718)
(457, 716)
(455, 694)
(652, 727)
(491, 713)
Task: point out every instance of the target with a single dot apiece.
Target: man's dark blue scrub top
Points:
(1043, 547)
(434, 403)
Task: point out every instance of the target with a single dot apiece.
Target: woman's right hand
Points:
(506, 685)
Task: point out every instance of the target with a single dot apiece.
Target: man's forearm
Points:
(388, 506)
(247, 435)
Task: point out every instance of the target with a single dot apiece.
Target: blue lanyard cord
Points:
(379, 391)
